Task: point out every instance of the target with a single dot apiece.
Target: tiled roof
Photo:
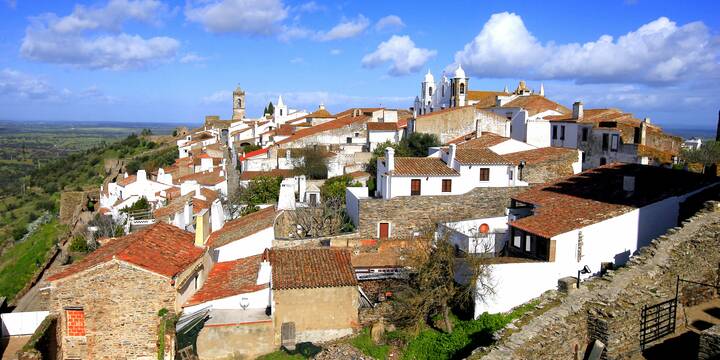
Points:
(442, 111)
(243, 227)
(658, 155)
(173, 207)
(421, 166)
(230, 278)
(127, 180)
(319, 114)
(284, 130)
(358, 174)
(207, 178)
(387, 258)
(311, 268)
(486, 140)
(535, 104)
(479, 156)
(342, 119)
(540, 155)
(484, 99)
(254, 153)
(161, 248)
(597, 195)
(382, 126)
(249, 175)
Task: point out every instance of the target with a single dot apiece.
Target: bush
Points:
(18, 232)
(313, 164)
(364, 343)
(79, 245)
(334, 187)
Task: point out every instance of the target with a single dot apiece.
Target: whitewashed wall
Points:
(352, 202)
(251, 245)
(21, 323)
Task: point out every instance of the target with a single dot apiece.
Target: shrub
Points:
(79, 245)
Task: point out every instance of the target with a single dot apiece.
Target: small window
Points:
(605, 142)
(430, 91)
(443, 90)
(603, 161)
(636, 136)
(528, 243)
(484, 174)
(614, 143)
(510, 175)
(447, 185)
(462, 89)
(585, 134)
(562, 132)
(554, 132)
(349, 140)
(583, 157)
(280, 112)
(517, 239)
(357, 134)
(75, 318)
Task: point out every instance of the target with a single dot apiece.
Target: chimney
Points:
(578, 110)
(451, 156)
(390, 159)
(264, 273)
(647, 120)
(321, 106)
(628, 184)
(643, 131)
(202, 228)
(287, 154)
(141, 175)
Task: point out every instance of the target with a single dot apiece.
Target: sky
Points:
(177, 61)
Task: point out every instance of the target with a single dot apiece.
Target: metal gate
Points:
(657, 321)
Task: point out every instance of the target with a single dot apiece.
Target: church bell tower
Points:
(238, 104)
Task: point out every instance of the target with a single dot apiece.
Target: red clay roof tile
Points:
(230, 278)
(311, 268)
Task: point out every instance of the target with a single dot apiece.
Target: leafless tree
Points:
(323, 219)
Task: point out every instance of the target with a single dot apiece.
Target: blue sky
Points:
(152, 60)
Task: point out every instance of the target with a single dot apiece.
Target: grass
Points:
(20, 262)
(467, 335)
(302, 351)
(364, 343)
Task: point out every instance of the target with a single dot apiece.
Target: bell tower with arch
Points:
(459, 86)
(238, 104)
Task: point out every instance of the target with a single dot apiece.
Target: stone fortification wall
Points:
(608, 308)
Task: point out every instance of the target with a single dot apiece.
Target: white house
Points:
(245, 236)
(196, 141)
(127, 190)
(598, 219)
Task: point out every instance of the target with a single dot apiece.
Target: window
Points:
(384, 230)
(415, 187)
(554, 132)
(196, 281)
(583, 157)
(349, 140)
(313, 198)
(75, 318)
(517, 239)
(443, 90)
(605, 142)
(447, 185)
(280, 112)
(562, 132)
(430, 91)
(585, 134)
(357, 134)
(528, 243)
(462, 89)
(603, 161)
(484, 174)
(615, 142)
(636, 136)
(510, 175)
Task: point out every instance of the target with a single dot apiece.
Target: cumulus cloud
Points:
(252, 17)
(90, 37)
(345, 29)
(18, 85)
(309, 7)
(389, 22)
(660, 52)
(190, 58)
(401, 52)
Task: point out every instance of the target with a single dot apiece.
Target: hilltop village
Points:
(304, 226)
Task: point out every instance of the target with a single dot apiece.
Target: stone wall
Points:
(608, 308)
(408, 214)
(709, 344)
(121, 304)
(452, 123)
(319, 314)
(545, 171)
(235, 341)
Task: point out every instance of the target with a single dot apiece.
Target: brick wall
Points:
(608, 308)
(407, 214)
(119, 311)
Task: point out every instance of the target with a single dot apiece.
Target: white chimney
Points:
(628, 184)
(264, 273)
(287, 154)
(321, 106)
(141, 175)
(646, 120)
(390, 159)
(451, 156)
(578, 110)
(302, 186)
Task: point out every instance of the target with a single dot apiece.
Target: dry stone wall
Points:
(608, 308)
(408, 214)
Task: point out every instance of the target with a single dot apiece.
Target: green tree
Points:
(419, 143)
(312, 163)
(708, 154)
(269, 109)
(141, 205)
(334, 187)
(261, 190)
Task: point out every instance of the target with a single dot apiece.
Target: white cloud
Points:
(218, 97)
(192, 58)
(389, 22)
(310, 7)
(401, 52)
(91, 37)
(335, 52)
(21, 86)
(345, 29)
(660, 52)
(11, 3)
(252, 17)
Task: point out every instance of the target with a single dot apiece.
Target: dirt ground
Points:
(9, 346)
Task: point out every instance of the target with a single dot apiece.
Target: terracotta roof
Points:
(342, 119)
(319, 114)
(358, 174)
(230, 278)
(388, 258)
(664, 157)
(479, 156)
(210, 195)
(382, 126)
(539, 155)
(243, 227)
(421, 166)
(484, 98)
(249, 175)
(311, 268)
(161, 248)
(486, 140)
(200, 204)
(254, 153)
(173, 207)
(597, 195)
(443, 111)
(127, 180)
(284, 130)
(207, 178)
(535, 104)
(240, 131)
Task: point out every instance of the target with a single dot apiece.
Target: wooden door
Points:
(384, 230)
(415, 187)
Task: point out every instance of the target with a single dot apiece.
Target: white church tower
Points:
(281, 111)
(459, 85)
(238, 104)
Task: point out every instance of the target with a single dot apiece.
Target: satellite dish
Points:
(484, 228)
